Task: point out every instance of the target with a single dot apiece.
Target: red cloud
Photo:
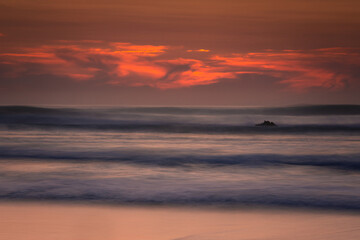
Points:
(199, 50)
(148, 65)
(122, 63)
(298, 69)
(84, 62)
(140, 50)
(193, 72)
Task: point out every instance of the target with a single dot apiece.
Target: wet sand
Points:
(44, 221)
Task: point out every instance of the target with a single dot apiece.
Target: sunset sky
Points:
(189, 52)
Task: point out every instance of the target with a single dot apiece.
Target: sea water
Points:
(196, 156)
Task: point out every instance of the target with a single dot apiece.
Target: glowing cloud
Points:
(299, 70)
(193, 72)
(81, 63)
(199, 50)
(120, 63)
(126, 64)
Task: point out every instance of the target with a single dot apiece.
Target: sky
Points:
(170, 52)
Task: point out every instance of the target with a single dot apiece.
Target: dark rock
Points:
(266, 124)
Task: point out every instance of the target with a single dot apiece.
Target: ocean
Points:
(183, 156)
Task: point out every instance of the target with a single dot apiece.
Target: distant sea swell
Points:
(171, 119)
(292, 110)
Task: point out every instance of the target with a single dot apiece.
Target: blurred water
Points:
(186, 156)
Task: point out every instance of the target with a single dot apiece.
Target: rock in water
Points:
(266, 124)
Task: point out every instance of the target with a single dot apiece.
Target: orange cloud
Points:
(142, 50)
(121, 63)
(1, 34)
(299, 70)
(128, 64)
(82, 63)
(199, 50)
(193, 72)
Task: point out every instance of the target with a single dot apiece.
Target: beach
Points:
(43, 221)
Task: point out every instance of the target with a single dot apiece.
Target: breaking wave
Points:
(350, 162)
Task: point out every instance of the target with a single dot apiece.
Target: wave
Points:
(29, 110)
(50, 124)
(348, 162)
(179, 189)
(250, 199)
